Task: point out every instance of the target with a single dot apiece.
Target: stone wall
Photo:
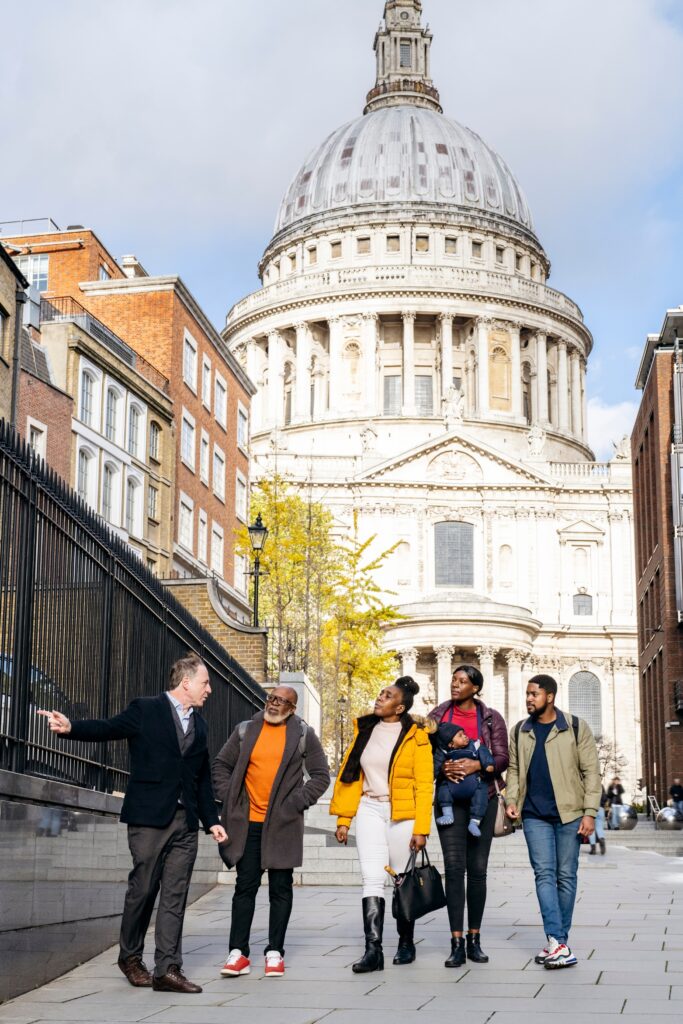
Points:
(65, 864)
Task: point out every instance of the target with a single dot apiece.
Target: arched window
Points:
(110, 414)
(108, 478)
(583, 604)
(87, 387)
(84, 460)
(584, 700)
(133, 429)
(500, 384)
(289, 387)
(454, 554)
(131, 505)
(154, 441)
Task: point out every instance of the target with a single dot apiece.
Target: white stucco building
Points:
(414, 366)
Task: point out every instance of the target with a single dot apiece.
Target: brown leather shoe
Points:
(136, 972)
(174, 981)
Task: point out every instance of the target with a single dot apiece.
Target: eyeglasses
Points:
(279, 702)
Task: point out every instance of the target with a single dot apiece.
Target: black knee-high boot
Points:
(373, 925)
(405, 954)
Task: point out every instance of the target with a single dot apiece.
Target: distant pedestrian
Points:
(676, 794)
(466, 856)
(386, 783)
(598, 835)
(259, 779)
(553, 784)
(451, 744)
(168, 794)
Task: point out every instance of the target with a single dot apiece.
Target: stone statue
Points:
(622, 450)
(536, 441)
(453, 406)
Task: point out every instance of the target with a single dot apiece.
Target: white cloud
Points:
(607, 424)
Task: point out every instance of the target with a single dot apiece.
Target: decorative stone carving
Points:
(622, 450)
(454, 466)
(368, 439)
(453, 406)
(536, 441)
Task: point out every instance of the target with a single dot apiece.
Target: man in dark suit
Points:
(169, 792)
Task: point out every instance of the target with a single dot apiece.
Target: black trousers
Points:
(464, 854)
(280, 883)
(163, 859)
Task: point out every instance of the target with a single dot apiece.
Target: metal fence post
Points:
(105, 666)
(23, 616)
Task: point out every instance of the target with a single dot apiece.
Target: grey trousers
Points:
(163, 859)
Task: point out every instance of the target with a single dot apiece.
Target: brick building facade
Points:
(657, 448)
(12, 284)
(44, 410)
(160, 319)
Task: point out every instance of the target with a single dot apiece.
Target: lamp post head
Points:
(257, 534)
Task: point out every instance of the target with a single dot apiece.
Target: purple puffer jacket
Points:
(494, 735)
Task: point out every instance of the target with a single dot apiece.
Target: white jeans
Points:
(380, 842)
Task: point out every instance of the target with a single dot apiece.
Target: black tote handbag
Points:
(418, 890)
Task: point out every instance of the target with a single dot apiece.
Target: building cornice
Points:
(175, 284)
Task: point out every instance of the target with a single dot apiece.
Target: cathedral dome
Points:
(404, 155)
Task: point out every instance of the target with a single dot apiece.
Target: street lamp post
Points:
(257, 535)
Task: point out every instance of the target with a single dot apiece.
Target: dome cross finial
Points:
(402, 47)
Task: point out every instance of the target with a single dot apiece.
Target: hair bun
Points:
(408, 683)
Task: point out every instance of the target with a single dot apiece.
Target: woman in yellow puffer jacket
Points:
(386, 782)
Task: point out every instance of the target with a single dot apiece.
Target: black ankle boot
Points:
(405, 954)
(602, 846)
(373, 924)
(474, 950)
(457, 957)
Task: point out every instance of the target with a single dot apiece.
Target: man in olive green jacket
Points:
(553, 783)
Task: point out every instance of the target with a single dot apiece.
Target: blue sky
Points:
(173, 128)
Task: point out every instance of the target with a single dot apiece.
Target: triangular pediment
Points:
(454, 458)
(580, 531)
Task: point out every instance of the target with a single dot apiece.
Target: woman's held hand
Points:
(342, 834)
(418, 842)
(460, 769)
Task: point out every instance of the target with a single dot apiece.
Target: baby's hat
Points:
(447, 731)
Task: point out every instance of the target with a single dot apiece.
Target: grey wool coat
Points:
(282, 845)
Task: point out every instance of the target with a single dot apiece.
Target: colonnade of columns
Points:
(557, 402)
(508, 696)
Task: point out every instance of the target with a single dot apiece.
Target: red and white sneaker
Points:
(236, 964)
(559, 955)
(541, 957)
(275, 964)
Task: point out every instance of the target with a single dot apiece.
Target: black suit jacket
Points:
(159, 773)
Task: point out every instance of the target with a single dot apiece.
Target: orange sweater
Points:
(266, 758)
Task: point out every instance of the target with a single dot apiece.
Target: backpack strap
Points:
(575, 727)
(518, 728)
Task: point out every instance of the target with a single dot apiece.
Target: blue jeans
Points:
(599, 832)
(554, 855)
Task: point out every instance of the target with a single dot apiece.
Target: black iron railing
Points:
(85, 628)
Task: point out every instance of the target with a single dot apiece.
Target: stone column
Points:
(542, 379)
(575, 363)
(302, 406)
(252, 369)
(336, 343)
(487, 656)
(408, 662)
(370, 323)
(516, 369)
(483, 324)
(584, 404)
(446, 353)
(275, 410)
(516, 707)
(408, 364)
(444, 662)
(562, 386)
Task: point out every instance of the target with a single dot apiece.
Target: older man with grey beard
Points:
(259, 778)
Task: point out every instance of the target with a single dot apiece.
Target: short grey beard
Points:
(276, 719)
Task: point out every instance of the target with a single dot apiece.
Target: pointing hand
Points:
(57, 722)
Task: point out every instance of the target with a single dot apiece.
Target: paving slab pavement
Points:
(628, 936)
